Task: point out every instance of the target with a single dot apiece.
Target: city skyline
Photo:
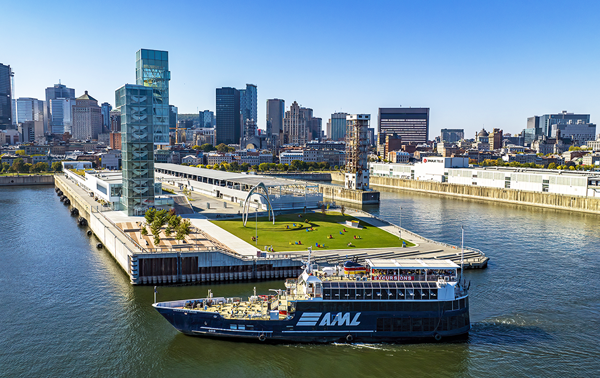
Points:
(478, 58)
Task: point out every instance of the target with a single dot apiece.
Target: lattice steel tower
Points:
(137, 147)
(357, 147)
(152, 70)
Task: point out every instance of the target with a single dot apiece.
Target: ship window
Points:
(405, 324)
(433, 294)
(233, 326)
(425, 294)
(401, 294)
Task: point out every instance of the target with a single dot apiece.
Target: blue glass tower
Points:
(152, 70)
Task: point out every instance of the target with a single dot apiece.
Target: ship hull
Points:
(443, 321)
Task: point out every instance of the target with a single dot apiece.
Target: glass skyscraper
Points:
(6, 111)
(228, 128)
(135, 102)
(152, 70)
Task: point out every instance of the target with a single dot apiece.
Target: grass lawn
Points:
(280, 236)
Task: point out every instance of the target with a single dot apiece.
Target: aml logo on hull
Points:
(311, 318)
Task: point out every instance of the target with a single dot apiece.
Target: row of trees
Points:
(156, 220)
(207, 147)
(19, 166)
(501, 163)
(296, 165)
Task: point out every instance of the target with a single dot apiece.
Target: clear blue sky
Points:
(474, 63)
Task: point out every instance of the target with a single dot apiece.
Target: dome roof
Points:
(483, 133)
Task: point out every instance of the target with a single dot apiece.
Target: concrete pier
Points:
(210, 264)
(226, 258)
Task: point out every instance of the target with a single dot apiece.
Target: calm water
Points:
(68, 309)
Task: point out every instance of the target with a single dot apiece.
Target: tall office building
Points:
(228, 128)
(547, 121)
(207, 118)
(6, 103)
(136, 104)
(32, 110)
(249, 105)
(27, 131)
(87, 118)
(173, 118)
(495, 139)
(152, 70)
(315, 128)
(105, 110)
(337, 126)
(275, 114)
(60, 115)
(59, 100)
(452, 135)
(411, 124)
(115, 121)
(294, 125)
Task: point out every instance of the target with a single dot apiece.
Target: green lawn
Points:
(280, 237)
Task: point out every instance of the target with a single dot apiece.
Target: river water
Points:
(67, 308)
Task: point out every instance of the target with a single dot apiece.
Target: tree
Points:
(40, 167)
(263, 167)
(26, 168)
(150, 213)
(57, 166)
(552, 166)
(280, 167)
(343, 210)
(17, 165)
(168, 231)
(174, 222)
(196, 147)
(161, 217)
(223, 147)
(255, 167)
(323, 208)
(183, 230)
(244, 167)
(207, 147)
(20, 152)
(4, 167)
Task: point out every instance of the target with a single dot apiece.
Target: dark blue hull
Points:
(439, 321)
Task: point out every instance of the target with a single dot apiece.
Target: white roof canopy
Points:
(410, 264)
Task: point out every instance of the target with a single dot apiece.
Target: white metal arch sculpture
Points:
(265, 195)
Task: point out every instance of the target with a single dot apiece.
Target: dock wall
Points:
(338, 193)
(513, 196)
(25, 180)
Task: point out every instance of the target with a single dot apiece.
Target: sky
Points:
(475, 64)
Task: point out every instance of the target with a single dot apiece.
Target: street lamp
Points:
(400, 222)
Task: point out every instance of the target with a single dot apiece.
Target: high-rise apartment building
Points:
(59, 100)
(337, 126)
(136, 104)
(87, 118)
(6, 102)
(228, 129)
(275, 114)
(115, 121)
(411, 124)
(152, 70)
(105, 110)
(452, 135)
(207, 118)
(294, 125)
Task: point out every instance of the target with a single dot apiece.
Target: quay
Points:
(213, 254)
(25, 180)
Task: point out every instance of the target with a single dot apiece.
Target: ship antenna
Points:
(308, 267)
(462, 251)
